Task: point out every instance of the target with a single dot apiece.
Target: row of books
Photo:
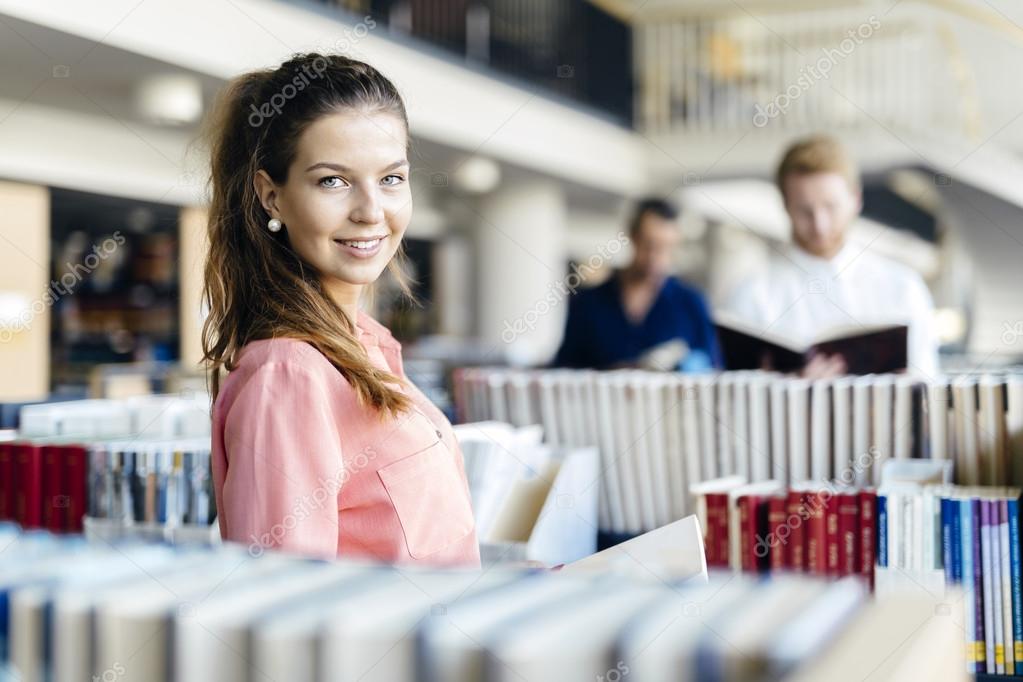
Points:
(54, 485)
(137, 461)
(805, 528)
(972, 535)
(181, 415)
(148, 613)
(660, 433)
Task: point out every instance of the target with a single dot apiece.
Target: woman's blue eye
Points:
(398, 180)
(324, 182)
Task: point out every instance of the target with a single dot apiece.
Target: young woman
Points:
(320, 444)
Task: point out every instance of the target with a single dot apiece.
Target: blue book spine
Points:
(882, 530)
(966, 547)
(978, 588)
(957, 542)
(1017, 593)
(946, 538)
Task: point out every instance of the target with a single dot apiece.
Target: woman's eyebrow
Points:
(341, 168)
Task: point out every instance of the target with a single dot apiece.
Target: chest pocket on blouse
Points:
(429, 499)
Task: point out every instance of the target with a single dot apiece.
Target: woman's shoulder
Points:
(280, 352)
(289, 364)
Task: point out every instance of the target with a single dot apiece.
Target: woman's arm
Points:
(284, 463)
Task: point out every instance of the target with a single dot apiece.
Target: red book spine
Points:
(7, 487)
(868, 519)
(716, 542)
(795, 556)
(848, 533)
(749, 529)
(831, 534)
(777, 532)
(816, 533)
(53, 511)
(28, 476)
(75, 487)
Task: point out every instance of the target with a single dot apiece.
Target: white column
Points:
(521, 269)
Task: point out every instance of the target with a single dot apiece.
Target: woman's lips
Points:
(361, 248)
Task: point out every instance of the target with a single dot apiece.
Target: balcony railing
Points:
(569, 48)
(914, 67)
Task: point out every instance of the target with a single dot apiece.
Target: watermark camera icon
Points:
(1012, 332)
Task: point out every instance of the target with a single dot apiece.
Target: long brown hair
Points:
(255, 285)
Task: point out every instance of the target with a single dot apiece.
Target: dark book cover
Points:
(52, 483)
(7, 488)
(866, 350)
(848, 533)
(870, 530)
(28, 478)
(716, 534)
(795, 554)
(777, 531)
(816, 533)
(75, 486)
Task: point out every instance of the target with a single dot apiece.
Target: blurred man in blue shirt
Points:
(642, 316)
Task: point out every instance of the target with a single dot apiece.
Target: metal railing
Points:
(820, 68)
(570, 48)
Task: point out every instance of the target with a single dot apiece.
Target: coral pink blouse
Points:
(299, 465)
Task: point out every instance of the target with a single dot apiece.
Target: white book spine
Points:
(881, 441)
(896, 545)
(760, 436)
(779, 433)
(964, 400)
(1014, 426)
(608, 454)
(691, 433)
(902, 435)
(656, 436)
(638, 457)
(725, 425)
(497, 398)
(673, 453)
(991, 434)
(623, 442)
(820, 431)
(549, 411)
(862, 455)
(740, 424)
(841, 448)
(564, 408)
(937, 419)
(799, 429)
(708, 429)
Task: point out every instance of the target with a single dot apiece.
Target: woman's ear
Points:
(266, 190)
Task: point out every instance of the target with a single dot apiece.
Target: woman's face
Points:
(346, 203)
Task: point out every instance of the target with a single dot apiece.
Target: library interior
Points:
(511, 340)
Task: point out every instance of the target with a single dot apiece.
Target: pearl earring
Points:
(274, 225)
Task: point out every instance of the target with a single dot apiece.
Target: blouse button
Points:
(439, 433)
